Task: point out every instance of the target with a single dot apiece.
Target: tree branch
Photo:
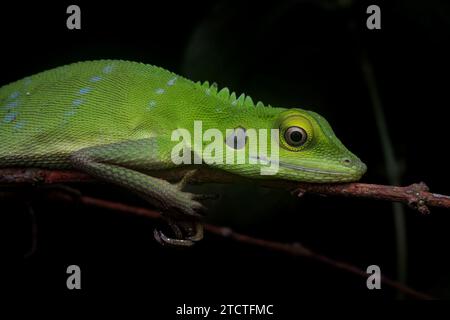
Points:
(416, 196)
(294, 249)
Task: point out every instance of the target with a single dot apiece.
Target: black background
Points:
(287, 53)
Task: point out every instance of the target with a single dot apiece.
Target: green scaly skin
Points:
(114, 120)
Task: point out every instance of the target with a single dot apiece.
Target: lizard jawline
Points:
(299, 168)
(306, 169)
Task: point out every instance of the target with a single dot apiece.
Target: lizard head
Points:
(308, 149)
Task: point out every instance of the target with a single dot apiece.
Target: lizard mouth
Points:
(309, 169)
(356, 171)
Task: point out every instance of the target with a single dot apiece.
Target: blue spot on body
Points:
(19, 125)
(96, 79)
(14, 95)
(85, 90)
(151, 104)
(171, 82)
(10, 117)
(12, 104)
(107, 69)
(77, 102)
(69, 113)
(159, 91)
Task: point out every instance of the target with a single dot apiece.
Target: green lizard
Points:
(114, 120)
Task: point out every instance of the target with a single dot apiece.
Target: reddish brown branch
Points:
(416, 195)
(40, 176)
(294, 249)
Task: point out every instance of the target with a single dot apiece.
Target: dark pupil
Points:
(296, 136)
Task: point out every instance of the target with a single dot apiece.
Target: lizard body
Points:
(114, 120)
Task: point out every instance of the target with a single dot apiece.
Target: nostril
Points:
(347, 161)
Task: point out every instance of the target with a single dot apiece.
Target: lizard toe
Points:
(161, 238)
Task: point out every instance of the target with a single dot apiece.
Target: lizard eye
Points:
(295, 136)
(237, 139)
(296, 131)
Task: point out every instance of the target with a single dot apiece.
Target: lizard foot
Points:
(192, 229)
(185, 204)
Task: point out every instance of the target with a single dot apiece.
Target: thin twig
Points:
(294, 249)
(416, 195)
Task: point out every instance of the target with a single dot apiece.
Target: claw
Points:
(194, 231)
(165, 240)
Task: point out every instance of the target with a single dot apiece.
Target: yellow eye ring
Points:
(296, 132)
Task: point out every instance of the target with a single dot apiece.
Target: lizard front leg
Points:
(119, 163)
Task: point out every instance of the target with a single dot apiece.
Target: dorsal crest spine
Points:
(230, 97)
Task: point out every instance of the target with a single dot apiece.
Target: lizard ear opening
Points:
(237, 139)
